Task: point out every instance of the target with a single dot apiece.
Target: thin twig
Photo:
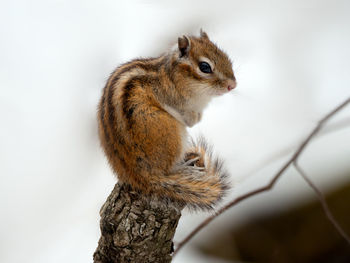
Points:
(272, 182)
(323, 202)
(330, 128)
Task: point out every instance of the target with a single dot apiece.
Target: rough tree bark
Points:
(135, 228)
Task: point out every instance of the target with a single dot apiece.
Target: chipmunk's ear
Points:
(203, 34)
(184, 45)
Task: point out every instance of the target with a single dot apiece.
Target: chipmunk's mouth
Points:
(227, 87)
(221, 92)
(224, 90)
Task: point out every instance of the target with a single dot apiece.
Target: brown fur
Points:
(143, 113)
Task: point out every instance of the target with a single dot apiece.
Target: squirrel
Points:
(143, 113)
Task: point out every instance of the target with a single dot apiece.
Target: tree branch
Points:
(135, 228)
(272, 182)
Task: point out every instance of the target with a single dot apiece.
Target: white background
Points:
(292, 63)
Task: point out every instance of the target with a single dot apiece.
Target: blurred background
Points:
(292, 63)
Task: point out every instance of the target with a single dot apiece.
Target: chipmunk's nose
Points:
(231, 84)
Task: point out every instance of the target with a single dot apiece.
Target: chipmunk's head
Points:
(206, 68)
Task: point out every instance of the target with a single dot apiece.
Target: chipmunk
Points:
(143, 114)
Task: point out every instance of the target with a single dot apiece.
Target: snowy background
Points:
(292, 63)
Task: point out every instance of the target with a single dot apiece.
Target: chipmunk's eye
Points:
(205, 67)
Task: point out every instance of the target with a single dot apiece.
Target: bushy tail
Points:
(199, 182)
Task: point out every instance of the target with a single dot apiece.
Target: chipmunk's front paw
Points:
(192, 117)
(194, 159)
